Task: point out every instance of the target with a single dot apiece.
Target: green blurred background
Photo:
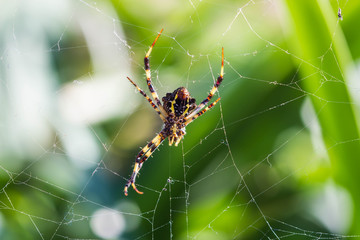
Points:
(276, 158)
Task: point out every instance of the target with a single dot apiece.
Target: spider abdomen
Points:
(179, 102)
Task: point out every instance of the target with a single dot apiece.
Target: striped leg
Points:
(142, 156)
(213, 90)
(149, 100)
(189, 120)
(148, 76)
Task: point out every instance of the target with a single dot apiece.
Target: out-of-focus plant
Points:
(316, 36)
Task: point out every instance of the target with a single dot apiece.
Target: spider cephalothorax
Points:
(177, 111)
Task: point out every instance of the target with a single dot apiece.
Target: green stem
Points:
(319, 41)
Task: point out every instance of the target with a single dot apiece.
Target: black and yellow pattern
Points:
(177, 111)
(148, 76)
(214, 88)
(149, 100)
(189, 120)
(142, 156)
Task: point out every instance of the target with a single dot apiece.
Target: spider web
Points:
(254, 167)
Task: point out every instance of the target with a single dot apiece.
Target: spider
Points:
(177, 111)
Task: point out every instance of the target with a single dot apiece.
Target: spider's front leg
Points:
(142, 156)
(131, 181)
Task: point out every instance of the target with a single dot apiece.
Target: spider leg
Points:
(213, 90)
(149, 100)
(189, 120)
(148, 76)
(142, 156)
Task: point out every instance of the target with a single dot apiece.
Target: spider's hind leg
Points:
(213, 89)
(149, 100)
(148, 76)
(189, 120)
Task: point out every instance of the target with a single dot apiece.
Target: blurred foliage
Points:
(248, 169)
(335, 70)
